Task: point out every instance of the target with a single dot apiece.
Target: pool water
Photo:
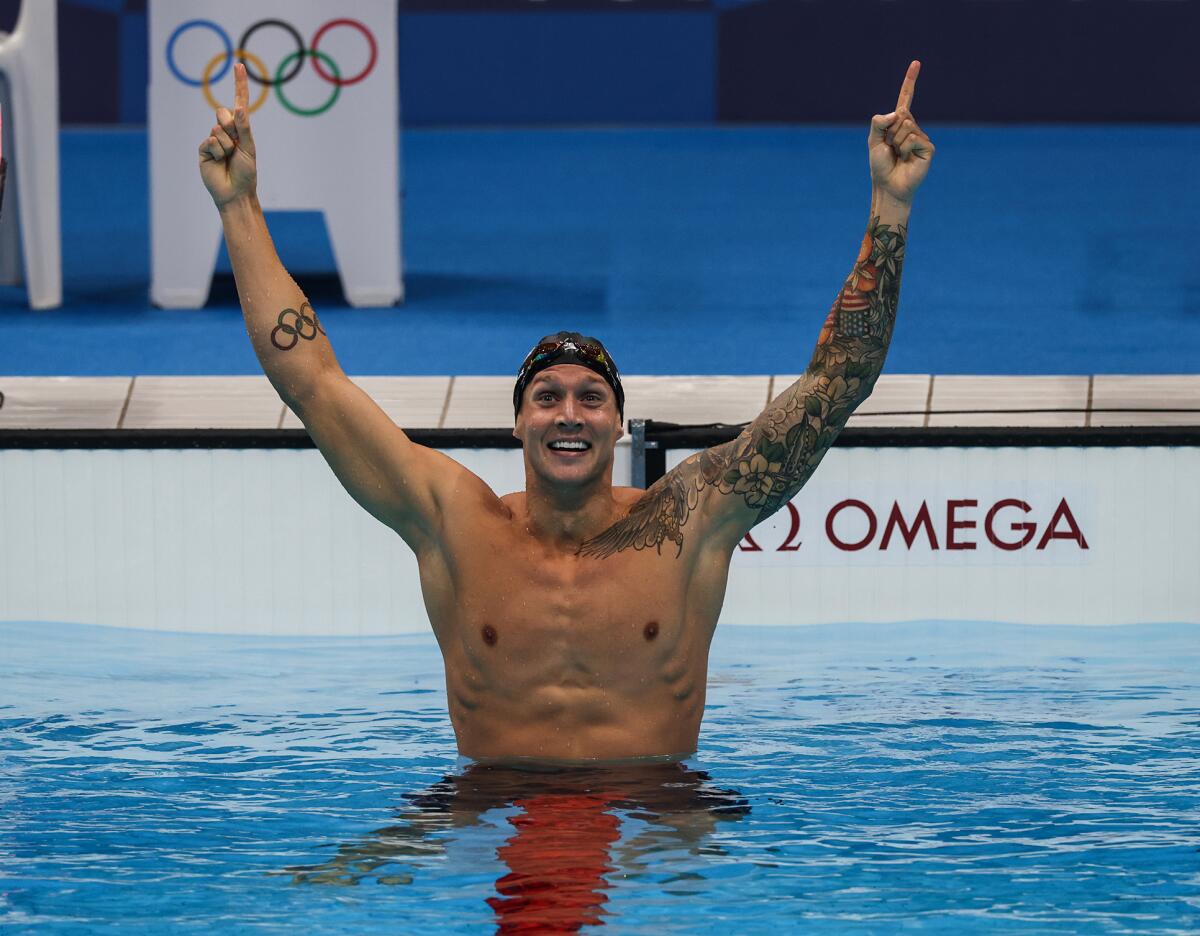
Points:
(938, 777)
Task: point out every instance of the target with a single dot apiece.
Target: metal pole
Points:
(637, 455)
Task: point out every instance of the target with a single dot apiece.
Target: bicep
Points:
(390, 476)
(753, 476)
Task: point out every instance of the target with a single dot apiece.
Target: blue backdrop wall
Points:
(696, 61)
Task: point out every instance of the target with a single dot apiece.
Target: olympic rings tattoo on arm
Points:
(296, 325)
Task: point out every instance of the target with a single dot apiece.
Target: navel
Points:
(650, 631)
(489, 635)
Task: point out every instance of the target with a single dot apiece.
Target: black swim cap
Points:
(569, 348)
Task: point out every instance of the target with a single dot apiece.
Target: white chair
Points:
(29, 67)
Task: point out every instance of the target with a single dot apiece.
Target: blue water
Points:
(944, 778)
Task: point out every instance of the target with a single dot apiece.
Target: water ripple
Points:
(849, 780)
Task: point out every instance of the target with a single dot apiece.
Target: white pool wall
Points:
(266, 541)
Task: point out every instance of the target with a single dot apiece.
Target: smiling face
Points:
(569, 424)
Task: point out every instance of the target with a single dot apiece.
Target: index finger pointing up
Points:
(904, 102)
(241, 92)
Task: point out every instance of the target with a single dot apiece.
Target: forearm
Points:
(855, 338)
(778, 452)
(287, 335)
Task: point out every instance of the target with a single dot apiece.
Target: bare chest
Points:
(581, 611)
(571, 656)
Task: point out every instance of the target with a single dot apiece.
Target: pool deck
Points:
(457, 402)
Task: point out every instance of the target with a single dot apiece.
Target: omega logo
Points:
(1007, 525)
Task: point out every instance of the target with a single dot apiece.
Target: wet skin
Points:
(555, 656)
(574, 617)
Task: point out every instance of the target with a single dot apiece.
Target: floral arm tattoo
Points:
(777, 453)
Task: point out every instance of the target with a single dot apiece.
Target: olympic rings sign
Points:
(287, 69)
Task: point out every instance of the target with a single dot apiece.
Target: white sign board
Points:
(1020, 535)
(325, 114)
(268, 542)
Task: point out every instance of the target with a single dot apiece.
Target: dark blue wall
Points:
(586, 67)
(695, 61)
(984, 60)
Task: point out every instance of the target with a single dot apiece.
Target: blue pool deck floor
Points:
(1032, 250)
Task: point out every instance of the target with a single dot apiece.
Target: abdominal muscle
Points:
(557, 724)
(558, 706)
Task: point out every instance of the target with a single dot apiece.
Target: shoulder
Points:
(626, 497)
(509, 505)
(680, 508)
(466, 504)
(653, 518)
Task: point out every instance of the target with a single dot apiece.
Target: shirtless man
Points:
(574, 617)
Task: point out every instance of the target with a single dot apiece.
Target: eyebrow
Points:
(589, 382)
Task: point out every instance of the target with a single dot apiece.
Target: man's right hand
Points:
(227, 164)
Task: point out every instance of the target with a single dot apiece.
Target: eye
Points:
(545, 396)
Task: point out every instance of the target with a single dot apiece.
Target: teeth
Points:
(577, 446)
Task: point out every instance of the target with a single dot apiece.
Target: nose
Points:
(568, 415)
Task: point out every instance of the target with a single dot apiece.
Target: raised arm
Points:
(396, 480)
(736, 485)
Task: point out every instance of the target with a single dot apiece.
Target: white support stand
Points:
(31, 230)
(342, 160)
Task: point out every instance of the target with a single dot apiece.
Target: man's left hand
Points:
(899, 150)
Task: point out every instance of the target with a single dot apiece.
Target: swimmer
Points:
(574, 617)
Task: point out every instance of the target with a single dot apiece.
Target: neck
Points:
(566, 517)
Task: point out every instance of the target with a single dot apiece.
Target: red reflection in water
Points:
(557, 860)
